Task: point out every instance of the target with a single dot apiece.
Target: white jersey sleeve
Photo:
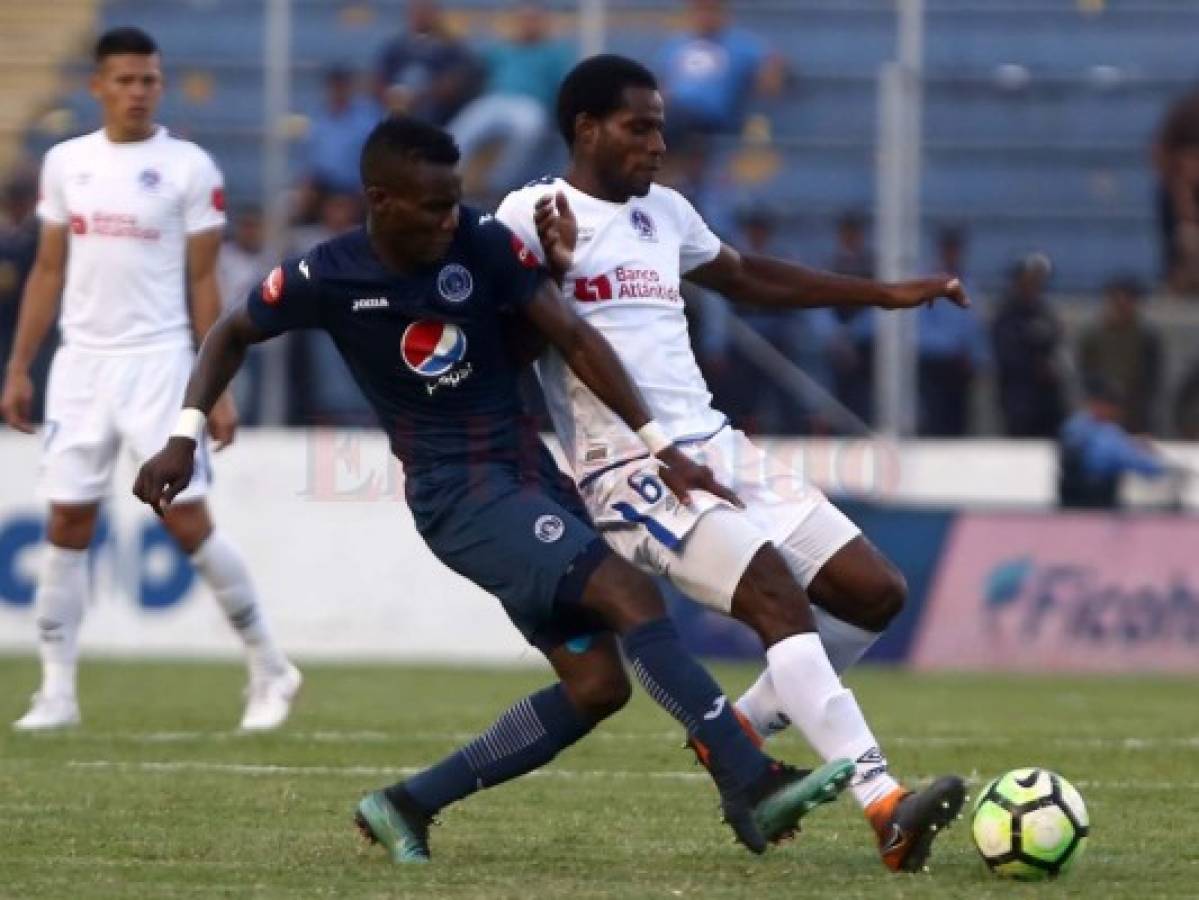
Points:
(517, 213)
(698, 244)
(204, 200)
(51, 204)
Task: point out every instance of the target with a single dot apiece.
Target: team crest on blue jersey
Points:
(454, 283)
(432, 348)
(149, 179)
(549, 529)
(643, 225)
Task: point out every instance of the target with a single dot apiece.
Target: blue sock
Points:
(524, 738)
(681, 686)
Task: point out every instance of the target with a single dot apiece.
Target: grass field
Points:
(155, 797)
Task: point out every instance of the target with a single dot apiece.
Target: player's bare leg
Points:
(274, 681)
(800, 686)
(62, 590)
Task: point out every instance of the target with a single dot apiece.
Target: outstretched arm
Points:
(169, 471)
(593, 360)
(765, 281)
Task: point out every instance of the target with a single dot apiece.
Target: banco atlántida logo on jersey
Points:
(432, 350)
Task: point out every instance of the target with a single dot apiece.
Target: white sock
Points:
(760, 705)
(844, 643)
(223, 569)
(812, 696)
(62, 590)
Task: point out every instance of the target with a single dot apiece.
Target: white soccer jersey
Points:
(624, 280)
(130, 208)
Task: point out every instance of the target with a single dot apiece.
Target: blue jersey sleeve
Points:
(287, 299)
(514, 269)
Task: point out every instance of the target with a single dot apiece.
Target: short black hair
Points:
(406, 138)
(596, 87)
(117, 41)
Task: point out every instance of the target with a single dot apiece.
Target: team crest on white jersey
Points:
(643, 225)
(454, 283)
(149, 179)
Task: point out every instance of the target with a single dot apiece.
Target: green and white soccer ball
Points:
(1030, 824)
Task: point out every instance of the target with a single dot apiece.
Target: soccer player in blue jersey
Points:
(417, 304)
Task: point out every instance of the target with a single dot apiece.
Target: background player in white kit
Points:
(128, 213)
(632, 241)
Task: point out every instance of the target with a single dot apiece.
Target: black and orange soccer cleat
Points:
(907, 822)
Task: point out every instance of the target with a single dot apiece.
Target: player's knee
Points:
(600, 696)
(624, 596)
(71, 527)
(885, 596)
(770, 601)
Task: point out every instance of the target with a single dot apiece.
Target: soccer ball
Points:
(1030, 824)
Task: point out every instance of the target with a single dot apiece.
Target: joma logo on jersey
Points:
(370, 303)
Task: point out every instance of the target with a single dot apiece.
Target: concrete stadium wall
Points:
(343, 574)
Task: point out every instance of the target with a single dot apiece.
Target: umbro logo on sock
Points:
(717, 708)
(873, 756)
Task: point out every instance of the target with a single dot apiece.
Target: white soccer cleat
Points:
(269, 699)
(48, 712)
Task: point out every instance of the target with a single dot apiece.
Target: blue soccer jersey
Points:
(427, 347)
(428, 350)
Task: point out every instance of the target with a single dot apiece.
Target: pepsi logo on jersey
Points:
(432, 348)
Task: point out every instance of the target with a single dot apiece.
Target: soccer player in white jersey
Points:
(129, 214)
(789, 563)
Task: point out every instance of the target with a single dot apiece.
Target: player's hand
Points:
(223, 422)
(683, 475)
(166, 473)
(17, 401)
(558, 231)
(910, 294)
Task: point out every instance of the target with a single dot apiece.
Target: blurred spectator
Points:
(1176, 157)
(523, 74)
(336, 213)
(1186, 405)
(326, 394)
(18, 247)
(338, 132)
(243, 263)
(848, 332)
(1125, 351)
(426, 71)
(744, 384)
(1094, 451)
(1026, 336)
(709, 73)
(952, 349)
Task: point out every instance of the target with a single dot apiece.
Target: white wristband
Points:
(190, 424)
(654, 436)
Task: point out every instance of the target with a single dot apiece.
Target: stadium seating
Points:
(1038, 114)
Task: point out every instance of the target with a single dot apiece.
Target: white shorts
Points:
(706, 549)
(97, 402)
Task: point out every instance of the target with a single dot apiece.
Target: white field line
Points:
(382, 737)
(266, 769)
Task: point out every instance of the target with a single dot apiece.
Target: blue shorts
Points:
(520, 533)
